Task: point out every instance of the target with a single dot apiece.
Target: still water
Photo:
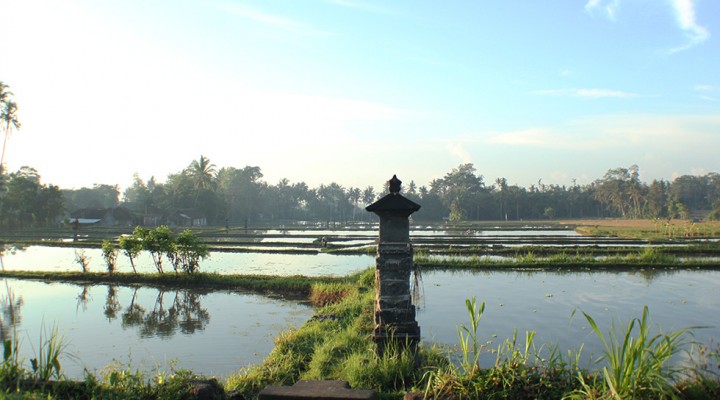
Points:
(212, 333)
(545, 301)
(45, 258)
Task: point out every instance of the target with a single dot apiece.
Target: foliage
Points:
(158, 242)
(98, 196)
(109, 252)
(131, 246)
(25, 202)
(189, 250)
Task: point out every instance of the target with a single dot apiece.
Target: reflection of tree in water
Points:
(112, 305)
(83, 298)
(181, 309)
(133, 314)
(10, 317)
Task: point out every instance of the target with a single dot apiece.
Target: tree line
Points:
(237, 196)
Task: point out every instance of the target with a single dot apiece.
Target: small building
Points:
(117, 216)
(188, 217)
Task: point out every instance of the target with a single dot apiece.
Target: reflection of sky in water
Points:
(238, 331)
(544, 302)
(39, 258)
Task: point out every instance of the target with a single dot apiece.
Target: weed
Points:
(322, 294)
(82, 259)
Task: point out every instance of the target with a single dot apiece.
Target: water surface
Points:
(212, 333)
(545, 301)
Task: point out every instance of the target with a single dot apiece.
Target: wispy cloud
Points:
(705, 88)
(587, 93)
(705, 91)
(360, 5)
(261, 17)
(608, 7)
(615, 131)
(685, 15)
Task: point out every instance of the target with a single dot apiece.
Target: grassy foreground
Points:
(336, 344)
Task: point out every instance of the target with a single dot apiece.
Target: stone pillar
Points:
(394, 312)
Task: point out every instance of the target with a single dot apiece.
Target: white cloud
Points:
(685, 15)
(587, 93)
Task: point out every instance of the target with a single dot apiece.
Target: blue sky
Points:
(354, 91)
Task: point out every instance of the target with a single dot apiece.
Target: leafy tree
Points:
(241, 190)
(99, 196)
(131, 246)
(26, 202)
(461, 190)
(158, 242)
(109, 253)
(190, 250)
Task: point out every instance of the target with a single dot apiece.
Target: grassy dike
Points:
(290, 286)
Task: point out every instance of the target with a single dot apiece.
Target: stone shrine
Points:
(394, 312)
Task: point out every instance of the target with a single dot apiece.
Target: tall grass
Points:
(46, 364)
(637, 363)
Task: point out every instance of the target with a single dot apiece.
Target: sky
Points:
(354, 91)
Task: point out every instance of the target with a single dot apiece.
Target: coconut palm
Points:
(8, 117)
(202, 172)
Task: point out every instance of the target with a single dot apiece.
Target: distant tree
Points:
(241, 191)
(354, 195)
(202, 173)
(26, 202)
(99, 196)
(462, 190)
(8, 118)
(368, 196)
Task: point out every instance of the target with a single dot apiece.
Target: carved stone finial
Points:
(394, 185)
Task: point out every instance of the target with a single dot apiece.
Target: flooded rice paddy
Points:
(218, 332)
(212, 333)
(546, 301)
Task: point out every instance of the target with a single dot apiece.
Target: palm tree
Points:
(202, 172)
(8, 117)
